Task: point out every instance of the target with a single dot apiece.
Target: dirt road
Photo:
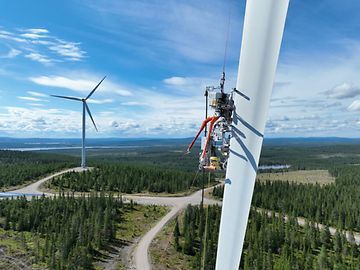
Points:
(141, 256)
(141, 260)
(34, 188)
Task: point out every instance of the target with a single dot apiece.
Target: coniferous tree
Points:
(322, 259)
(176, 234)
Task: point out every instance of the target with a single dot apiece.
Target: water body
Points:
(273, 167)
(14, 194)
(26, 149)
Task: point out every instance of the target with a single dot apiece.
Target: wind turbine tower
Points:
(85, 109)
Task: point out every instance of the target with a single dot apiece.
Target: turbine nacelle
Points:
(83, 100)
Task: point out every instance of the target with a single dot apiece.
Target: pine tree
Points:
(325, 237)
(322, 259)
(176, 234)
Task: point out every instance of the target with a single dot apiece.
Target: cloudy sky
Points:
(158, 57)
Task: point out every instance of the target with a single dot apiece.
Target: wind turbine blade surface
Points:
(92, 92)
(72, 98)
(88, 110)
(262, 34)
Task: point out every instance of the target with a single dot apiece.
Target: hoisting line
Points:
(203, 241)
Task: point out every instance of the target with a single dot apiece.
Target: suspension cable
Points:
(204, 236)
(204, 244)
(227, 39)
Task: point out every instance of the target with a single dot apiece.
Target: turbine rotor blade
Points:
(88, 110)
(92, 92)
(72, 98)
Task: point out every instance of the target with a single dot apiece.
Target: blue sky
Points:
(158, 57)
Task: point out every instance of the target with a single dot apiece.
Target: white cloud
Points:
(80, 83)
(176, 81)
(36, 104)
(36, 94)
(124, 126)
(39, 121)
(100, 101)
(133, 103)
(30, 98)
(11, 37)
(32, 36)
(354, 106)
(193, 85)
(39, 58)
(12, 53)
(343, 91)
(62, 82)
(69, 50)
(43, 47)
(192, 30)
(121, 92)
(37, 30)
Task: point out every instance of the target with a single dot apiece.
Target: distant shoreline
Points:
(27, 149)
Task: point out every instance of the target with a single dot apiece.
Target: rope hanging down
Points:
(203, 240)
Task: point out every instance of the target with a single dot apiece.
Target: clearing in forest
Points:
(322, 177)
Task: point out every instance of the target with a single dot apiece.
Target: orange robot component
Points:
(212, 121)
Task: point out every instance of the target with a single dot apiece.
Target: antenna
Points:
(85, 109)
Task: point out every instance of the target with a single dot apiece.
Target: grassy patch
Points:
(163, 253)
(321, 177)
(139, 220)
(136, 221)
(16, 250)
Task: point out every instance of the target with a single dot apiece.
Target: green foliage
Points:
(218, 192)
(270, 243)
(304, 155)
(158, 155)
(322, 259)
(67, 231)
(127, 179)
(177, 235)
(19, 167)
(335, 204)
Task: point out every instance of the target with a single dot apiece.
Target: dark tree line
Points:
(335, 204)
(127, 179)
(68, 232)
(19, 167)
(198, 235)
(270, 243)
(218, 192)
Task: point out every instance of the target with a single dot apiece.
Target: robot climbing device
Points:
(216, 141)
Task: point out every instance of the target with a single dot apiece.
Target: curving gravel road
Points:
(34, 188)
(141, 258)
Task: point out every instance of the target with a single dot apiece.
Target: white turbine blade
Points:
(88, 110)
(262, 34)
(92, 92)
(72, 98)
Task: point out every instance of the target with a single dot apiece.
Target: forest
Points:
(304, 155)
(17, 167)
(68, 232)
(270, 242)
(335, 205)
(127, 179)
(172, 156)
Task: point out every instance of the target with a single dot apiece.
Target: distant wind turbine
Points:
(85, 107)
